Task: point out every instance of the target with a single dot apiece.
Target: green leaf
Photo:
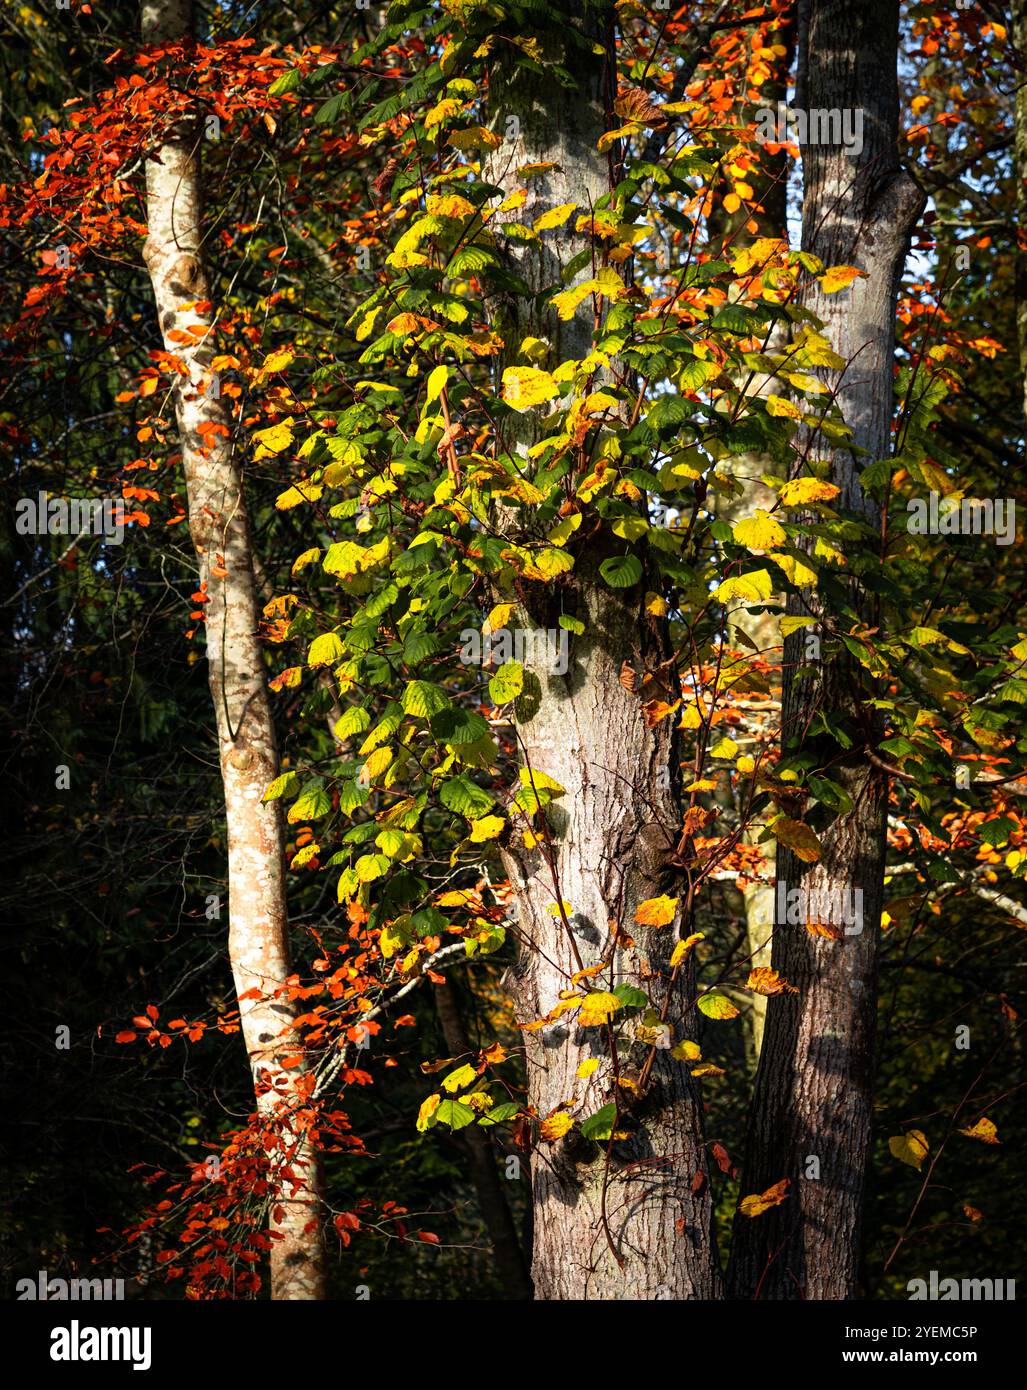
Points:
(464, 797)
(506, 1111)
(280, 786)
(455, 1114)
(326, 650)
(507, 683)
(715, 1005)
(631, 997)
(621, 571)
(997, 832)
(312, 803)
(458, 726)
(355, 720)
(423, 699)
(600, 1125)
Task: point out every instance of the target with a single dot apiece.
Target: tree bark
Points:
(812, 1104)
(625, 1219)
(258, 940)
(492, 1202)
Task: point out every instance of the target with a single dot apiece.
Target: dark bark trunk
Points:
(812, 1105)
(495, 1209)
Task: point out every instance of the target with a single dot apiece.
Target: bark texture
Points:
(258, 940)
(631, 1220)
(811, 1114)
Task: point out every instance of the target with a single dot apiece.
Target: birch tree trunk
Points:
(258, 942)
(811, 1113)
(631, 1219)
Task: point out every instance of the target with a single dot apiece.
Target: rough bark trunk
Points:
(495, 1209)
(813, 1090)
(634, 1222)
(258, 942)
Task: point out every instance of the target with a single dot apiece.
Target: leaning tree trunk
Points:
(811, 1112)
(258, 943)
(632, 1218)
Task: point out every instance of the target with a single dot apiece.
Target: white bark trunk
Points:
(258, 942)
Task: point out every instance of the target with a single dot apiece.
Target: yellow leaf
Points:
(802, 490)
(278, 360)
(763, 980)
(755, 586)
(724, 748)
(556, 217)
(759, 532)
(442, 112)
(293, 496)
(790, 624)
(838, 277)
(799, 838)
(911, 1148)
(656, 912)
(274, 439)
(403, 325)
(686, 1051)
(598, 1008)
(427, 1110)
(984, 1130)
(567, 301)
(684, 948)
(556, 1126)
(797, 571)
(524, 387)
(777, 405)
(588, 1067)
(757, 1204)
(486, 829)
(475, 138)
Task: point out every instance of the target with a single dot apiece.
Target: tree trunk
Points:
(625, 1218)
(258, 941)
(495, 1209)
(811, 1113)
